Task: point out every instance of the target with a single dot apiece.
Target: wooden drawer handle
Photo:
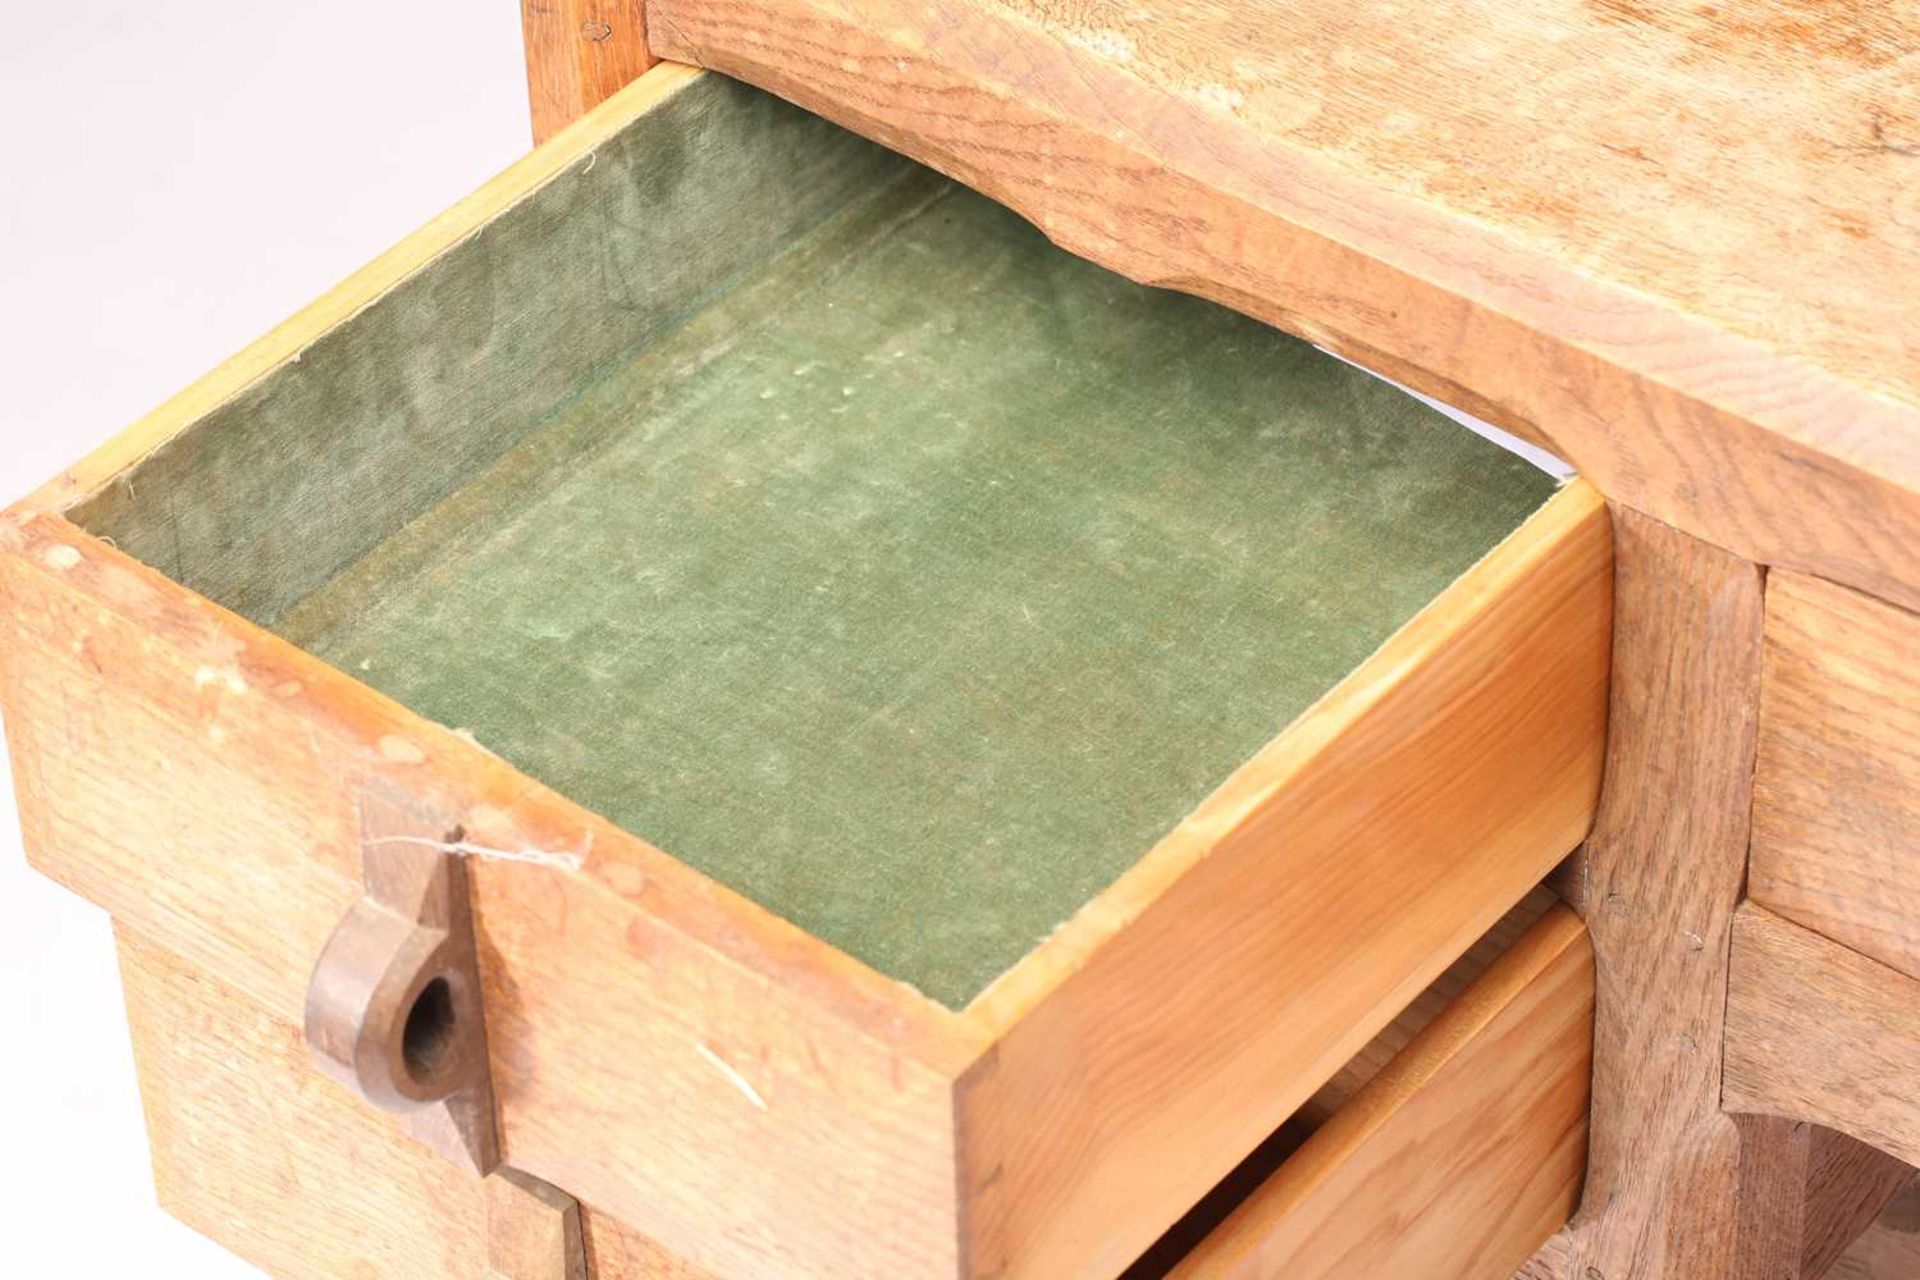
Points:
(394, 1012)
(394, 1009)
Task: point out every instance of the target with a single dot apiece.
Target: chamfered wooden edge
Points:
(1787, 465)
(572, 145)
(1836, 793)
(579, 54)
(1817, 1032)
(1459, 1158)
(1183, 1014)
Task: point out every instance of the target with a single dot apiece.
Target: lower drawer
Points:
(1448, 1149)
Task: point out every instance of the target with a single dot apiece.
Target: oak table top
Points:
(1679, 243)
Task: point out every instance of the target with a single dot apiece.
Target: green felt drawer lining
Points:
(817, 520)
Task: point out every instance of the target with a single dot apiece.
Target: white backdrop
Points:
(180, 176)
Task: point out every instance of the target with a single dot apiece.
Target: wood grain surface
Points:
(533, 1229)
(1343, 1087)
(199, 778)
(1850, 1187)
(255, 1148)
(1458, 1159)
(1889, 1249)
(1836, 805)
(579, 54)
(1806, 1194)
(1664, 869)
(1674, 244)
(1318, 891)
(1817, 1032)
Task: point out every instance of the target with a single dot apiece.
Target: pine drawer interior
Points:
(818, 521)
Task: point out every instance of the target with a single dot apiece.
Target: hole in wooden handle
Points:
(394, 1009)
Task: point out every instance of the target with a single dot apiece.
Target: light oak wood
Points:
(1817, 1032)
(1663, 873)
(1439, 996)
(1806, 1194)
(1855, 1191)
(1836, 805)
(1342, 1088)
(1889, 1249)
(256, 741)
(1880, 1255)
(229, 1091)
(1849, 1186)
(1444, 776)
(1552, 1261)
(754, 1097)
(1592, 249)
(1459, 1158)
(254, 1147)
(579, 54)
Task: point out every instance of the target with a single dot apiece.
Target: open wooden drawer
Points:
(979, 743)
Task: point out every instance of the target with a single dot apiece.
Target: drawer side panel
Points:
(1205, 997)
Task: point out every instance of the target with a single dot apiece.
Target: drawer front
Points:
(1836, 804)
(1457, 1160)
(256, 1149)
(1462, 1150)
